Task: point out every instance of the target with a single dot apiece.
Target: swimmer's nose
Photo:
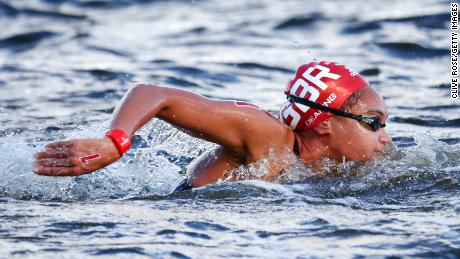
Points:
(384, 138)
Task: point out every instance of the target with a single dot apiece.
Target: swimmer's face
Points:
(357, 141)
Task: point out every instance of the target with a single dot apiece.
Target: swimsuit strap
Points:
(183, 186)
(295, 149)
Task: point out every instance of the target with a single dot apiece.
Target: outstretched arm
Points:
(235, 127)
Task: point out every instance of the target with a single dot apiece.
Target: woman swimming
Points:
(330, 112)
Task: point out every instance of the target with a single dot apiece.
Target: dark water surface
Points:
(64, 65)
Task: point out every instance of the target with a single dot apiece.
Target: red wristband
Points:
(120, 139)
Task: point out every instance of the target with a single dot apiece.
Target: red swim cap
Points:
(327, 83)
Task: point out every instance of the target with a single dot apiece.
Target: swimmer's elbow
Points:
(145, 88)
(150, 94)
(154, 93)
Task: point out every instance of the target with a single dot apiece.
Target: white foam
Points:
(140, 173)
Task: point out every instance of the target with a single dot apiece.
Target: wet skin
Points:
(244, 134)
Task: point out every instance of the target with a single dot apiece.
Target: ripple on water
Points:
(411, 50)
(254, 65)
(370, 72)
(201, 73)
(299, 22)
(134, 250)
(13, 11)
(111, 51)
(171, 233)
(429, 121)
(78, 225)
(436, 21)
(361, 27)
(433, 21)
(7, 9)
(206, 226)
(25, 41)
(106, 75)
(175, 81)
(431, 108)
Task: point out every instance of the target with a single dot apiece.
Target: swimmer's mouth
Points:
(389, 151)
(381, 150)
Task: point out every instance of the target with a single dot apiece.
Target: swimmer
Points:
(330, 112)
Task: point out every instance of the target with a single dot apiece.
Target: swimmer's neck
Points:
(313, 147)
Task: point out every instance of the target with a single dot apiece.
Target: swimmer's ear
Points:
(323, 128)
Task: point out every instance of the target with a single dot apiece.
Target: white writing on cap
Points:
(326, 103)
(291, 112)
(317, 79)
(307, 88)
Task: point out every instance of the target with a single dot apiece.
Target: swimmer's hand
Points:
(75, 157)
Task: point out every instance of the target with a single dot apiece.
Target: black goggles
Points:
(372, 121)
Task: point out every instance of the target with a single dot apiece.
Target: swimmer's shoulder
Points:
(270, 134)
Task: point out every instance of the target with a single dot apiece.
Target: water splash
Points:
(151, 168)
(429, 165)
(160, 155)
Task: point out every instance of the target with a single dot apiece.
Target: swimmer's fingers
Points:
(52, 154)
(58, 171)
(61, 144)
(76, 157)
(53, 162)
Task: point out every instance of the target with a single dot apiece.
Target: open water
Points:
(64, 65)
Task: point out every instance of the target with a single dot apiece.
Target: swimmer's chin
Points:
(384, 154)
(376, 155)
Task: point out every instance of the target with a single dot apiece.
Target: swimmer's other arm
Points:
(237, 129)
